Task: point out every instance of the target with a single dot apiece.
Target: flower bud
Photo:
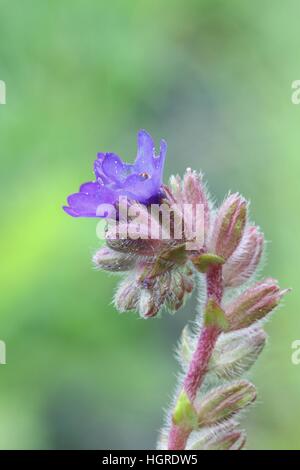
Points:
(229, 226)
(127, 295)
(147, 306)
(226, 436)
(186, 347)
(188, 283)
(230, 441)
(111, 260)
(244, 261)
(118, 239)
(177, 292)
(224, 402)
(254, 304)
(236, 352)
(194, 193)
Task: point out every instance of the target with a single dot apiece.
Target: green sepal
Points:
(176, 255)
(215, 316)
(184, 413)
(204, 261)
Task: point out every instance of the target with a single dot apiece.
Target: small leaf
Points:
(215, 316)
(205, 260)
(184, 413)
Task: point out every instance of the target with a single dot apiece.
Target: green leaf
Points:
(215, 316)
(184, 413)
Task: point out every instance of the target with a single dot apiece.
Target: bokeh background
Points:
(214, 79)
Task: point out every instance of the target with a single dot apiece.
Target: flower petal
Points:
(114, 168)
(141, 181)
(70, 211)
(160, 159)
(89, 205)
(100, 176)
(89, 188)
(141, 189)
(145, 153)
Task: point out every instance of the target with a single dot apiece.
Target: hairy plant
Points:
(163, 246)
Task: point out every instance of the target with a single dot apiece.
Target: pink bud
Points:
(225, 436)
(127, 295)
(147, 305)
(118, 238)
(244, 261)
(111, 260)
(229, 226)
(194, 193)
(234, 440)
(254, 304)
(223, 402)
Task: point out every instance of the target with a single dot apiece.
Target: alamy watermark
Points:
(2, 352)
(131, 221)
(295, 357)
(2, 92)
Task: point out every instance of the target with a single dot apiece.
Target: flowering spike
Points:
(165, 238)
(229, 226)
(254, 304)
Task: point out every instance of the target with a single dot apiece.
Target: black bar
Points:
(135, 459)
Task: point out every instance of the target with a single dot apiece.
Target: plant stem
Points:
(198, 366)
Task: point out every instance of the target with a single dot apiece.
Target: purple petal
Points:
(141, 181)
(145, 153)
(89, 188)
(160, 159)
(114, 168)
(89, 205)
(140, 188)
(70, 211)
(100, 176)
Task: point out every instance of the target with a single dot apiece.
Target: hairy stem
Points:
(200, 359)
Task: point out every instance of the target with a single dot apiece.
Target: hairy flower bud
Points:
(111, 260)
(229, 226)
(127, 295)
(177, 291)
(244, 261)
(224, 402)
(236, 352)
(194, 192)
(186, 347)
(147, 306)
(226, 436)
(254, 304)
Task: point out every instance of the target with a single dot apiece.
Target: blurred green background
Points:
(214, 79)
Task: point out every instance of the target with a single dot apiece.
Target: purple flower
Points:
(140, 181)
